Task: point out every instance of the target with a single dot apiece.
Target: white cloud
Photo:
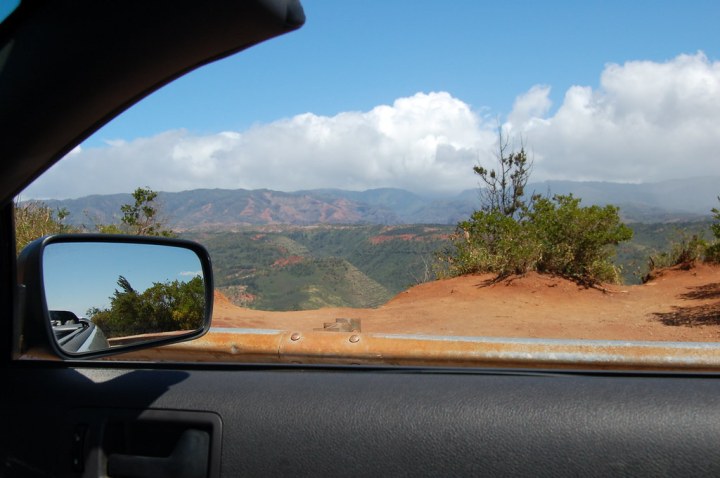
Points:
(531, 105)
(647, 121)
(426, 142)
(190, 274)
(115, 142)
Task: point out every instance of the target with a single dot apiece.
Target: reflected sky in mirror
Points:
(78, 276)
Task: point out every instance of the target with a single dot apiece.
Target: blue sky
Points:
(357, 54)
(352, 57)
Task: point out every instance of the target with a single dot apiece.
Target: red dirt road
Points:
(679, 305)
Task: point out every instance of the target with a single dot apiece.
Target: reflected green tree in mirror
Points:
(164, 307)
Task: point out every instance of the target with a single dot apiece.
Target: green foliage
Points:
(492, 242)
(689, 249)
(715, 227)
(512, 235)
(164, 307)
(394, 256)
(653, 240)
(315, 283)
(110, 229)
(293, 267)
(575, 240)
(686, 251)
(712, 252)
(555, 236)
(141, 218)
(35, 219)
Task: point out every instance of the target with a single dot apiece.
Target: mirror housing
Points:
(49, 330)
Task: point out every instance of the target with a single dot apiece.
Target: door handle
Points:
(189, 459)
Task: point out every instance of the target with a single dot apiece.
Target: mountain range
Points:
(222, 209)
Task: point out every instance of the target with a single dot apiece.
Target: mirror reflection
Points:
(102, 295)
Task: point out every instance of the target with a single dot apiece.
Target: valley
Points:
(305, 250)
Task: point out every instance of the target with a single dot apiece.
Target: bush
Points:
(712, 252)
(686, 251)
(551, 235)
(35, 219)
(576, 241)
(492, 242)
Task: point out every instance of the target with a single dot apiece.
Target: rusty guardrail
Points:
(319, 347)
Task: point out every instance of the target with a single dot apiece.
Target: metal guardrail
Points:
(319, 347)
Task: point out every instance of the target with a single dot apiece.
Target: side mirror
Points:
(91, 295)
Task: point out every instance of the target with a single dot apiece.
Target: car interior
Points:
(67, 67)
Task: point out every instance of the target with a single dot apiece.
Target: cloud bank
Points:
(647, 121)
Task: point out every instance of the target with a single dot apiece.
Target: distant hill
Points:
(222, 209)
(296, 268)
(680, 199)
(275, 250)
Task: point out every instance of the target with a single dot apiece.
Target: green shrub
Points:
(551, 235)
(576, 241)
(493, 242)
(715, 227)
(687, 250)
(712, 252)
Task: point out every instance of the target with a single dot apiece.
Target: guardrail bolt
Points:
(354, 339)
(295, 337)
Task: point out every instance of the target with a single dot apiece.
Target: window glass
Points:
(430, 181)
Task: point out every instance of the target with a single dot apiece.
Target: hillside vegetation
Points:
(513, 234)
(652, 240)
(295, 268)
(298, 268)
(290, 267)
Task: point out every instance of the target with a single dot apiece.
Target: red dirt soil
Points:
(287, 261)
(678, 305)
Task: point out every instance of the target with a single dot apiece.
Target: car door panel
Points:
(377, 422)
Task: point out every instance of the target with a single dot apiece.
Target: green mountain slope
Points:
(290, 268)
(315, 283)
(395, 256)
